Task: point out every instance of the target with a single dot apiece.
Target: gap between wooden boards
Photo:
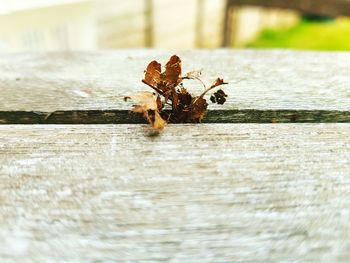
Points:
(212, 116)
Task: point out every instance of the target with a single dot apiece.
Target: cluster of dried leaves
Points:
(169, 90)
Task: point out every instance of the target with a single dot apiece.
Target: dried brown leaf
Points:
(217, 83)
(146, 104)
(168, 84)
(185, 98)
(145, 100)
(172, 74)
(195, 74)
(152, 73)
(160, 104)
(198, 109)
(159, 123)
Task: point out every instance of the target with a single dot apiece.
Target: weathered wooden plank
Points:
(263, 81)
(195, 193)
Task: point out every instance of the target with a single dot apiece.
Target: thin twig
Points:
(196, 79)
(208, 89)
(155, 88)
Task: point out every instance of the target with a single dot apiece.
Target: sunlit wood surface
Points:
(233, 192)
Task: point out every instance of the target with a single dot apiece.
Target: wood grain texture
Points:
(194, 193)
(261, 82)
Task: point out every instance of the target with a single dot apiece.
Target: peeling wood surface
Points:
(261, 81)
(195, 193)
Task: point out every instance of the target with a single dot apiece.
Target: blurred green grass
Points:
(329, 35)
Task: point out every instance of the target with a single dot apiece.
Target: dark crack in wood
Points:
(213, 116)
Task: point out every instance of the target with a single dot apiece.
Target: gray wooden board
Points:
(194, 193)
(41, 88)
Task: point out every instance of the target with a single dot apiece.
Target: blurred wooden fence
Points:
(182, 23)
(92, 24)
(46, 26)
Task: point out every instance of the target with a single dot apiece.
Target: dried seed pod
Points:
(218, 97)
